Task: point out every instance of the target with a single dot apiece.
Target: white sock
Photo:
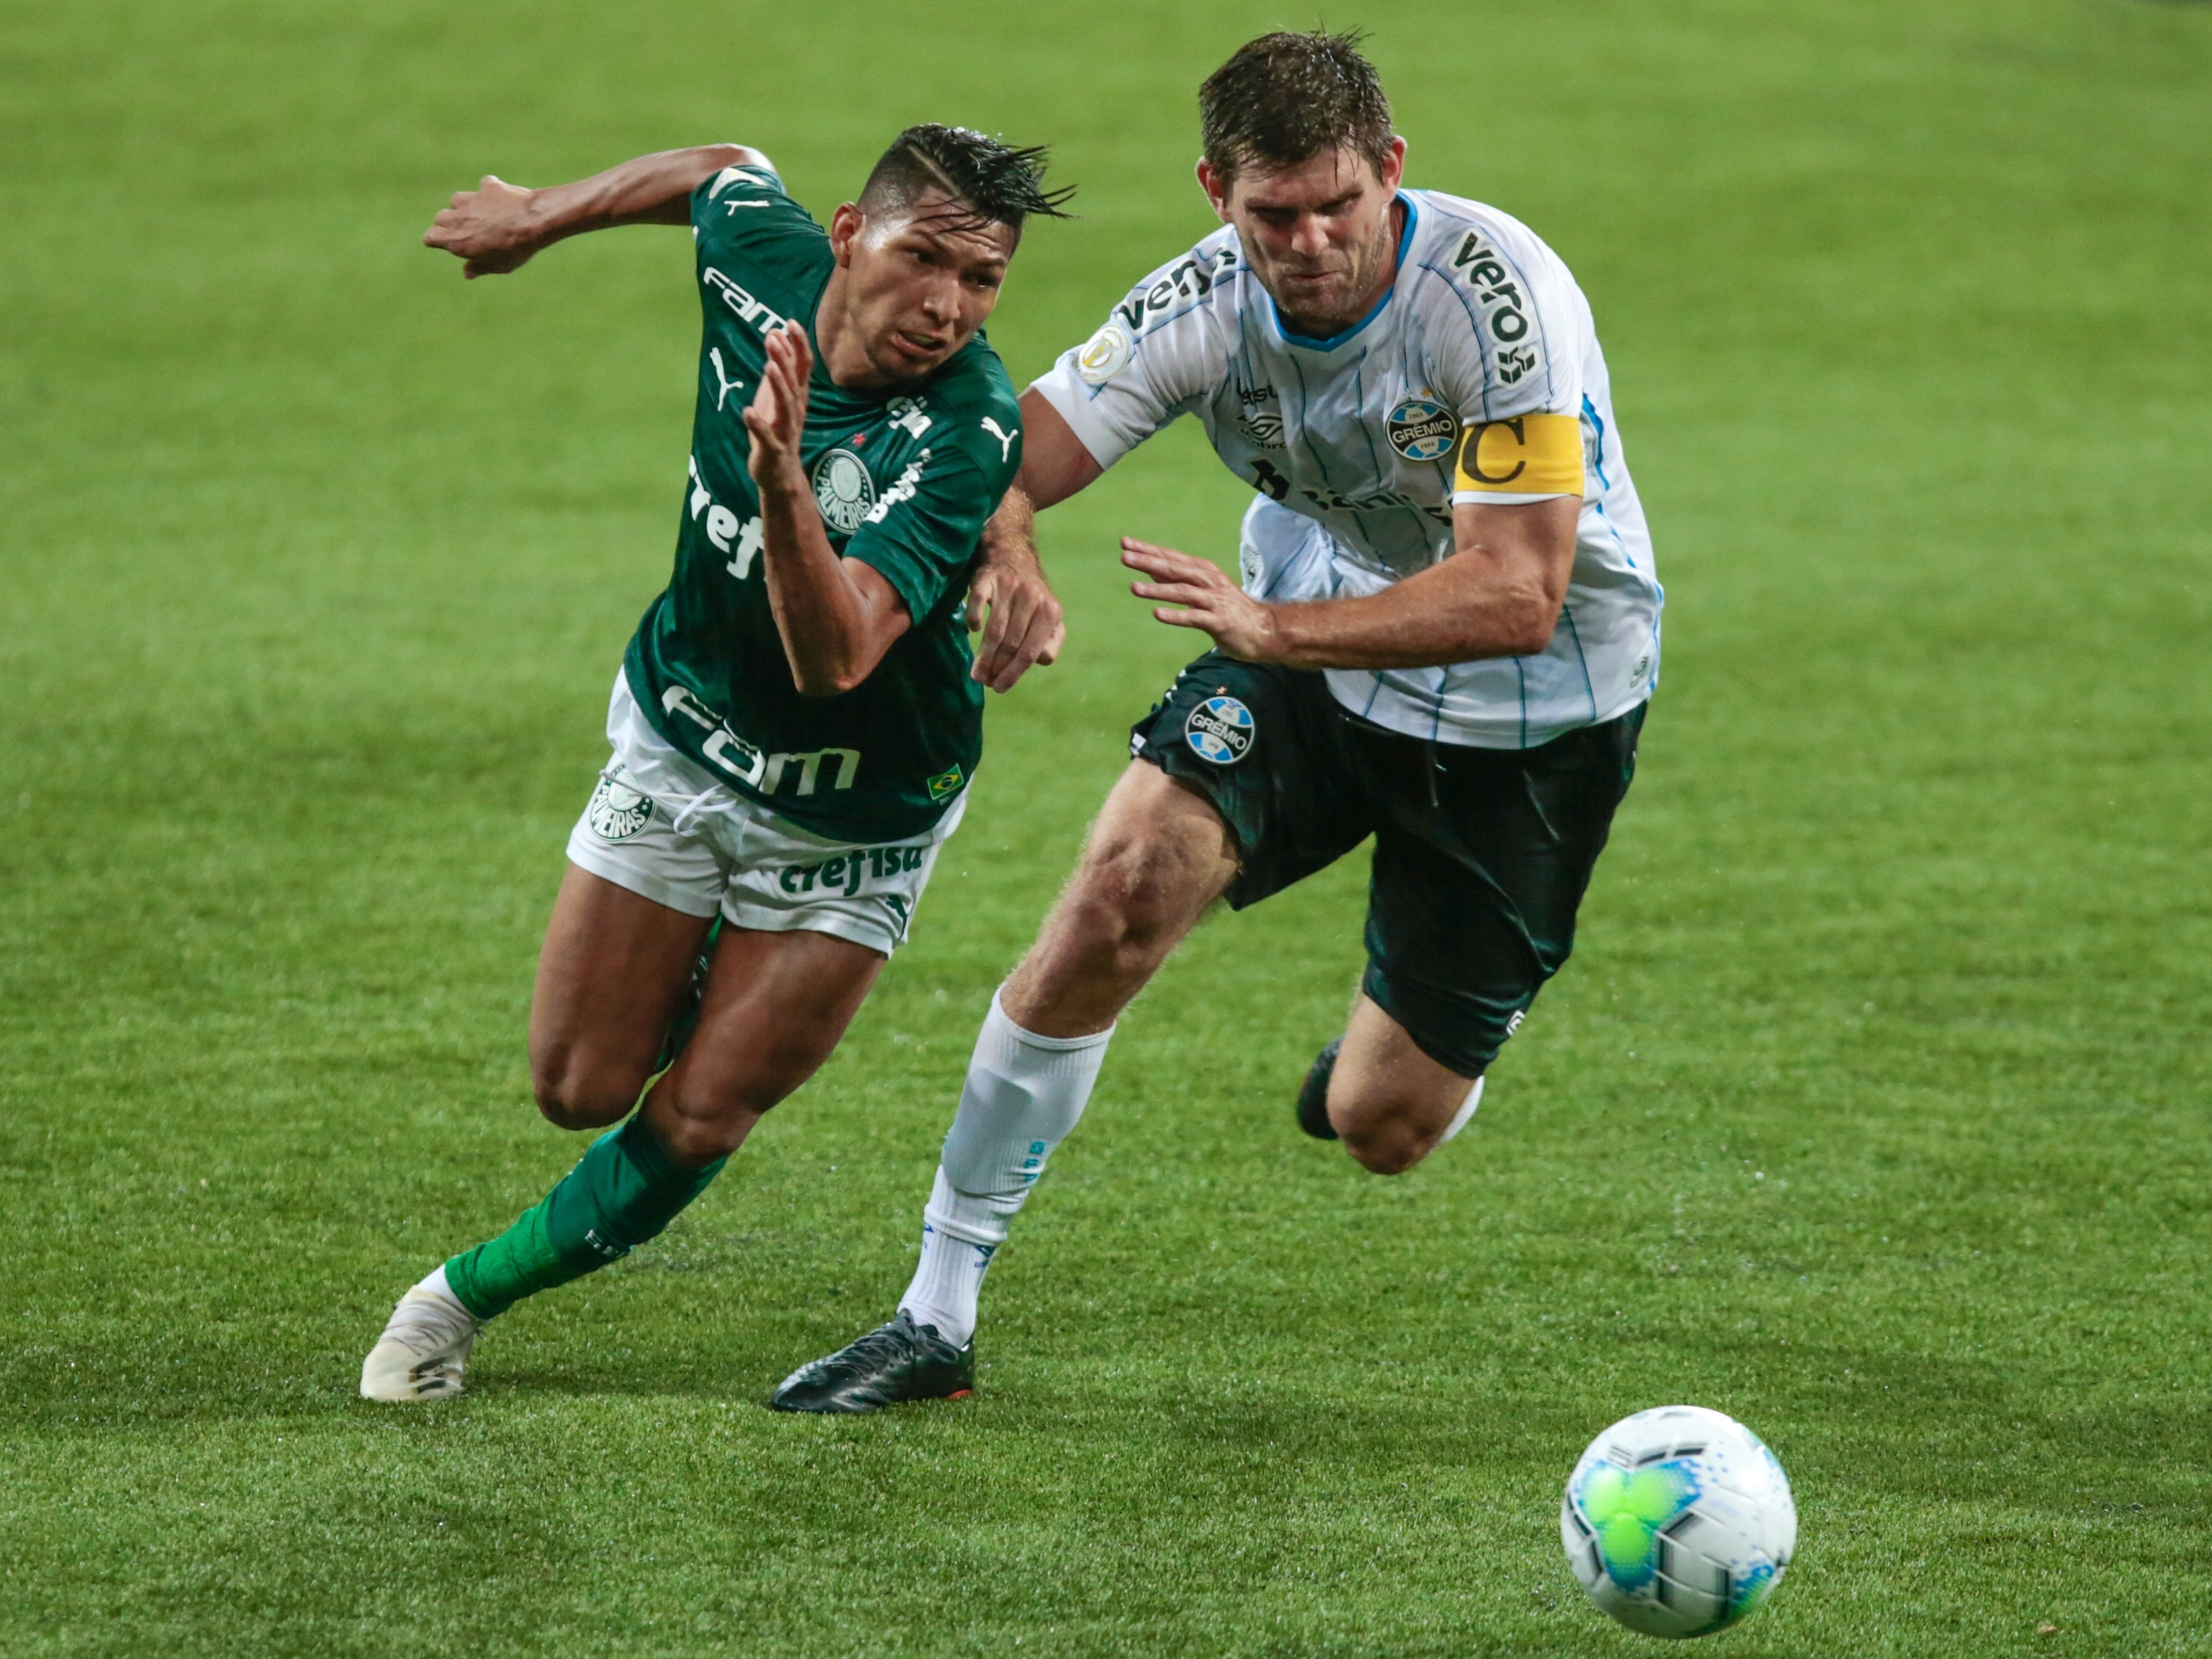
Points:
(1465, 1115)
(1023, 1093)
(950, 1275)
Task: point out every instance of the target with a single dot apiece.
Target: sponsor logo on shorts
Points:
(1219, 731)
(848, 871)
(843, 490)
(1105, 354)
(1421, 429)
(617, 811)
(1514, 1023)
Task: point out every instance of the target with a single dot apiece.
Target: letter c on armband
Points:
(1522, 455)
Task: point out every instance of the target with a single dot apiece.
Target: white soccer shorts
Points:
(661, 826)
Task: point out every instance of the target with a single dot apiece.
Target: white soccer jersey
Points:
(1477, 378)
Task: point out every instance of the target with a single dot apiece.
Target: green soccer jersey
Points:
(904, 483)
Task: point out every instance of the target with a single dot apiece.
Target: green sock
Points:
(621, 1193)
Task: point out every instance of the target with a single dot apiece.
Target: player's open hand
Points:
(492, 229)
(776, 417)
(1023, 626)
(1240, 626)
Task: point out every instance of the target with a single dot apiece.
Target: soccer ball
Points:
(1678, 1521)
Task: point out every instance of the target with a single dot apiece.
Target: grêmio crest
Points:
(1422, 429)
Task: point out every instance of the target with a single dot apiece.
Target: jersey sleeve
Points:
(1510, 356)
(1156, 356)
(923, 531)
(744, 211)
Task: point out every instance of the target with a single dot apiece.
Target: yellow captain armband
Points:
(1526, 455)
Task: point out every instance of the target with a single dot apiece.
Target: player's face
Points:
(1318, 235)
(917, 284)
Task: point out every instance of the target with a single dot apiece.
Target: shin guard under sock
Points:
(1023, 1095)
(621, 1193)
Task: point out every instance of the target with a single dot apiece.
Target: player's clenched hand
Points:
(1240, 626)
(777, 415)
(491, 228)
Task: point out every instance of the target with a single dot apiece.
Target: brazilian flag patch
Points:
(945, 783)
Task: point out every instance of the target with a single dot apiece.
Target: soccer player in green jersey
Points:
(798, 714)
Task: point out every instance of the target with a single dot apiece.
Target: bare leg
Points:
(1156, 858)
(1389, 1101)
(612, 969)
(609, 979)
(775, 1005)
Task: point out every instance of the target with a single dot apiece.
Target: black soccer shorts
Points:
(1481, 856)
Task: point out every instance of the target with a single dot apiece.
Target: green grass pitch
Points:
(1872, 1108)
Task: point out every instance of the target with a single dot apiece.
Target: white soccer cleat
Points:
(424, 1348)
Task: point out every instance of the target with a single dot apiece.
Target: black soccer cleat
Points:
(1313, 1094)
(892, 1363)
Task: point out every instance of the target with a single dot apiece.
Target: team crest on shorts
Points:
(1219, 730)
(1422, 429)
(843, 490)
(617, 811)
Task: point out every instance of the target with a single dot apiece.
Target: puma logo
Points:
(728, 385)
(1006, 438)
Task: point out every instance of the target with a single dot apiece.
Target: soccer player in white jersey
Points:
(1445, 637)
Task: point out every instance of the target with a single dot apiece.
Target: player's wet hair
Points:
(998, 183)
(1286, 97)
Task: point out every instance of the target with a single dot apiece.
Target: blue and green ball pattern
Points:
(1626, 1510)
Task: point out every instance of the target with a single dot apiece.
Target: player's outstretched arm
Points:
(1024, 626)
(497, 226)
(836, 616)
(1498, 595)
